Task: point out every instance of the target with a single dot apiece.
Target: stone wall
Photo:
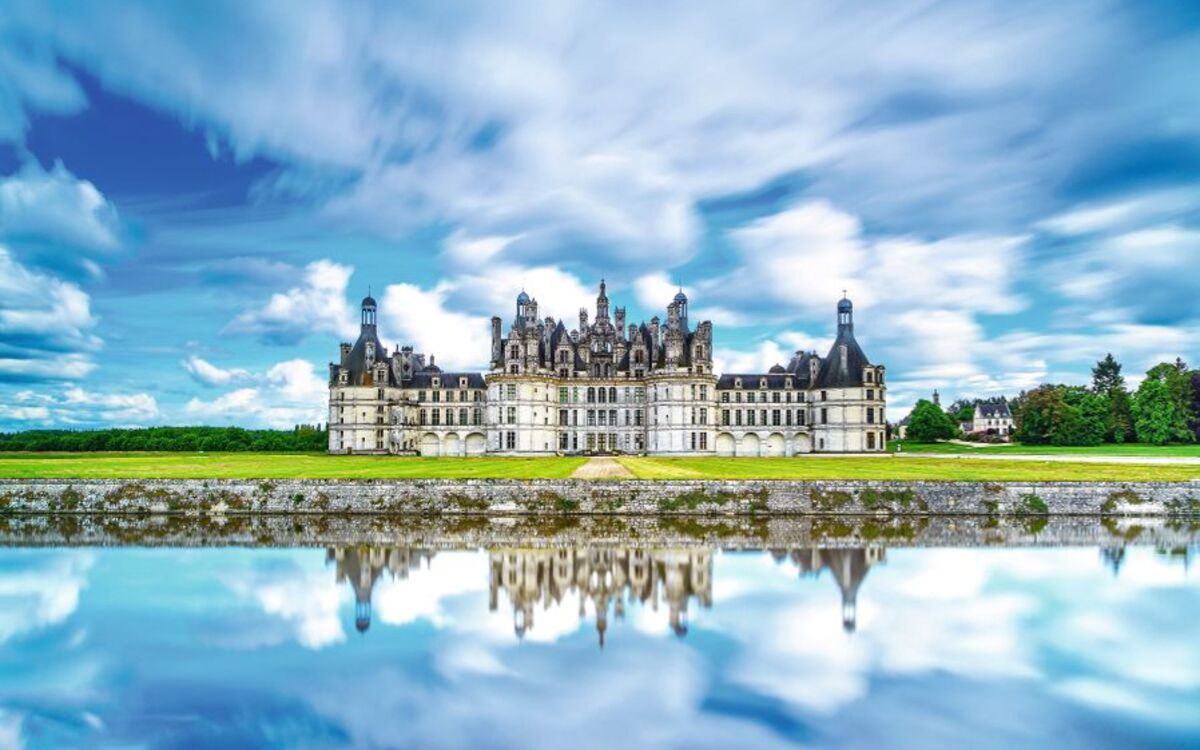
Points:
(570, 497)
(576, 531)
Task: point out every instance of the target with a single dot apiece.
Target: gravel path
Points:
(602, 467)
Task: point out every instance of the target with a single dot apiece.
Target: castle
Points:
(603, 387)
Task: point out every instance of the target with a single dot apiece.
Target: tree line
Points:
(1165, 408)
(301, 438)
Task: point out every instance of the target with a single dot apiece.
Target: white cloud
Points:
(307, 601)
(113, 407)
(318, 305)
(451, 320)
(206, 373)
(42, 594)
(45, 325)
(55, 204)
(288, 393)
(609, 128)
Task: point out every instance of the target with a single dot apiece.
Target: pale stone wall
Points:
(1024, 499)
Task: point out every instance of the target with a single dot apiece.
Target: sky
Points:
(195, 198)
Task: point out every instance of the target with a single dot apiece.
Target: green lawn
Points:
(886, 467)
(321, 466)
(1107, 449)
(274, 466)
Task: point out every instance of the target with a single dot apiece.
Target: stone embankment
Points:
(595, 531)
(588, 497)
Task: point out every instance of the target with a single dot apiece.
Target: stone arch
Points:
(726, 445)
(802, 443)
(451, 445)
(750, 445)
(774, 445)
(476, 444)
(430, 445)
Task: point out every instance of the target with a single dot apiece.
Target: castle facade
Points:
(604, 387)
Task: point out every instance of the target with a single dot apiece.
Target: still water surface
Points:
(371, 646)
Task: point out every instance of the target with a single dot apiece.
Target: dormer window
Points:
(737, 382)
(462, 382)
(762, 382)
(437, 382)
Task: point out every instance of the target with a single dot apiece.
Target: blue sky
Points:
(193, 200)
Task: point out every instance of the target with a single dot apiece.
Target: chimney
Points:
(497, 344)
(345, 350)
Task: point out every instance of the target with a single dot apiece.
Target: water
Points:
(599, 646)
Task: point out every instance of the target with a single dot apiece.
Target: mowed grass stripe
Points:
(275, 466)
(888, 468)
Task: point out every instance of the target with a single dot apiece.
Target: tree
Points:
(928, 423)
(962, 410)
(1106, 375)
(1154, 414)
(1196, 405)
(1173, 417)
(1040, 412)
(1119, 426)
(1082, 421)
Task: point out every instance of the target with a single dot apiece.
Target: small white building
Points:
(991, 419)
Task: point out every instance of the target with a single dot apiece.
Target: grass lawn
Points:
(274, 466)
(1107, 449)
(886, 467)
(321, 466)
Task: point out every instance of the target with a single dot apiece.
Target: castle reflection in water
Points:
(609, 577)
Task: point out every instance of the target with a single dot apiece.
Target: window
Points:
(750, 417)
(591, 417)
(637, 417)
(437, 416)
(775, 397)
(725, 417)
(462, 416)
(562, 441)
(775, 417)
(512, 415)
(870, 394)
(563, 395)
(869, 376)
(824, 395)
(694, 441)
(450, 416)
(510, 391)
(870, 441)
(562, 417)
(704, 393)
(725, 397)
(422, 417)
(510, 440)
(870, 415)
(437, 397)
(704, 441)
(477, 417)
(800, 418)
(737, 418)
(703, 415)
(824, 416)
(591, 395)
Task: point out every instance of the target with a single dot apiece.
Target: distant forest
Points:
(302, 438)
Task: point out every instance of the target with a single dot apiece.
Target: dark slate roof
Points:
(994, 411)
(775, 382)
(777, 369)
(833, 374)
(424, 379)
(356, 362)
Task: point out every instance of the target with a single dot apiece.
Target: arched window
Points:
(591, 395)
(612, 395)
